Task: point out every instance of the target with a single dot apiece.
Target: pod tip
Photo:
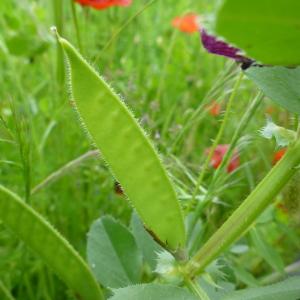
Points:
(55, 32)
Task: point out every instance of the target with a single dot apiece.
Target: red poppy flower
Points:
(214, 109)
(188, 23)
(218, 155)
(278, 155)
(102, 4)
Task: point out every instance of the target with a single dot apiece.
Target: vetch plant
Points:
(169, 250)
(83, 80)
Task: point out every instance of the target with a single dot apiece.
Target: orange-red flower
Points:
(218, 156)
(214, 108)
(188, 23)
(278, 155)
(102, 4)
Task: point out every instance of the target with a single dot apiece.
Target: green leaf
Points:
(267, 30)
(43, 239)
(145, 242)
(196, 236)
(127, 149)
(113, 254)
(280, 84)
(216, 291)
(25, 45)
(152, 291)
(244, 276)
(266, 251)
(286, 290)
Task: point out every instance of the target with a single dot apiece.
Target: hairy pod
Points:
(45, 241)
(126, 149)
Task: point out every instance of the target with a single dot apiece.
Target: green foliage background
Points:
(163, 75)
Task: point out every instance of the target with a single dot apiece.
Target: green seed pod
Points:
(43, 239)
(127, 150)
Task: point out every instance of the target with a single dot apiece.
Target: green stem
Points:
(196, 289)
(288, 271)
(164, 72)
(238, 132)
(223, 77)
(246, 214)
(296, 122)
(75, 21)
(64, 169)
(5, 291)
(124, 26)
(58, 21)
(218, 137)
(211, 153)
(241, 127)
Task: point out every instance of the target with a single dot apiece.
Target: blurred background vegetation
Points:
(165, 76)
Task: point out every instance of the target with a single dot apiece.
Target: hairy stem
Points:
(246, 214)
(211, 153)
(237, 134)
(223, 78)
(75, 21)
(123, 27)
(288, 271)
(58, 21)
(64, 169)
(196, 289)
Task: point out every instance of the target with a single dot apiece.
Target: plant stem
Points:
(249, 210)
(288, 271)
(221, 80)
(58, 21)
(195, 288)
(75, 21)
(218, 137)
(211, 153)
(64, 169)
(296, 122)
(164, 71)
(6, 292)
(111, 40)
(241, 127)
(23, 137)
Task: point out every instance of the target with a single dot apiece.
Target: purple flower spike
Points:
(213, 45)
